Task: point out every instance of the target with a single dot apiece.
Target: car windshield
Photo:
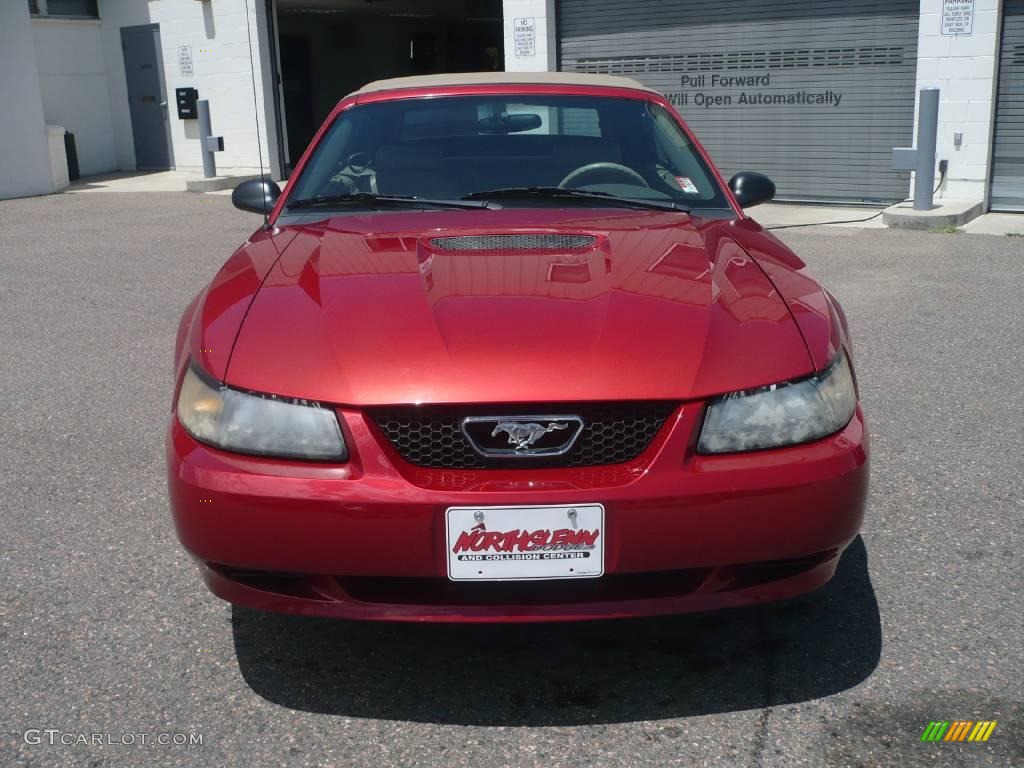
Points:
(463, 147)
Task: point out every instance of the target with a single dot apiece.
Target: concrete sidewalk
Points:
(1006, 224)
(134, 181)
(153, 181)
(807, 215)
(810, 216)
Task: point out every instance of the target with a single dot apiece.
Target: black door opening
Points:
(329, 48)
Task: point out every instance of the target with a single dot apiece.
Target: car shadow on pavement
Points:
(572, 673)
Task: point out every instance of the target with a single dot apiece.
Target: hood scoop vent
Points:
(514, 242)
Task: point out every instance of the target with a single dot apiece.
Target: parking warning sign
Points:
(525, 37)
(957, 17)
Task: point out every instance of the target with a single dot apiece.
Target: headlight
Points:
(260, 424)
(782, 414)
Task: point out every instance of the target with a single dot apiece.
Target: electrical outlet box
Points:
(187, 98)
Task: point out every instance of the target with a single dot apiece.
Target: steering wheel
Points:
(360, 162)
(357, 175)
(595, 169)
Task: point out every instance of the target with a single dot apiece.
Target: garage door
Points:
(1008, 143)
(814, 94)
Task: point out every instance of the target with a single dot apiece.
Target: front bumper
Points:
(366, 539)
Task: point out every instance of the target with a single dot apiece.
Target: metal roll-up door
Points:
(814, 94)
(1008, 140)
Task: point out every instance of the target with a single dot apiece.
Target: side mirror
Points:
(256, 196)
(751, 188)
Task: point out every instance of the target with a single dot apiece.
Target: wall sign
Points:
(724, 89)
(525, 37)
(957, 17)
(185, 61)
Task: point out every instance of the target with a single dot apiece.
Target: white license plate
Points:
(523, 543)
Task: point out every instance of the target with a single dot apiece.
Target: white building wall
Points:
(964, 68)
(24, 153)
(544, 51)
(73, 84)
(216, 32)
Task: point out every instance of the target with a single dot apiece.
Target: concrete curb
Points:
(217, 183)
(947, 213)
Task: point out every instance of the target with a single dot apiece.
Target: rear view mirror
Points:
(256, 196)
(514, 123)
(751, 188)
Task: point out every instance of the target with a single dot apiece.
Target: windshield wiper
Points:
(389, 200)
(526, 193)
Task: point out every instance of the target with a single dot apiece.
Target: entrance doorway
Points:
(147, 100)
(329, 48)
(1008, 139)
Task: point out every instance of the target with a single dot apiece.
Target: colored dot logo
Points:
(958, 730)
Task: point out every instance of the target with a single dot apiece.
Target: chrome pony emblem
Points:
(511, 436)
(522, 436)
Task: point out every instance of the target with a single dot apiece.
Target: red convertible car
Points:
(508, 349)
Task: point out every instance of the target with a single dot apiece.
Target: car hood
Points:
(372, 309)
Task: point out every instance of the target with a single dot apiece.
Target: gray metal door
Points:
(1008, 141)
(814, 94)
(147, 99)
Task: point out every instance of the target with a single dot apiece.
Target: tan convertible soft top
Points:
(502, 78)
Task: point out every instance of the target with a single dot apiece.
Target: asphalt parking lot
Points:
(106, 628)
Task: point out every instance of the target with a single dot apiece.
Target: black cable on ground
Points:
(942, 177)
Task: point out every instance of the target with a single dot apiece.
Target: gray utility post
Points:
(208, 144)
(922, 159)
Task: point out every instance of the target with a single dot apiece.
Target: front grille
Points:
(430, 436)
(514, 242)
